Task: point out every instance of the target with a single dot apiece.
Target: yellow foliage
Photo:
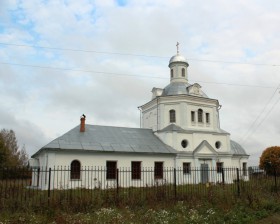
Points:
(270, 159)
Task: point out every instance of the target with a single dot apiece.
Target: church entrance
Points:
(204, 177)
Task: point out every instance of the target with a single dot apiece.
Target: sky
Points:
(62, 59)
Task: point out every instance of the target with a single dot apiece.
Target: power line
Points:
(137, 55)
(122, 74)
(259, 115)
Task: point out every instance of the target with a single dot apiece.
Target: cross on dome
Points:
(177, 45)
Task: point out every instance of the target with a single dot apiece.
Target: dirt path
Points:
(273, 219)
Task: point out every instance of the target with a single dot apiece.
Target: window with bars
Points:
(200, 115)
(193, 116)
(158, 170)
(186, 168)
(75, 171)
(135, 170)
(172, 116)
(207, 118)
(111, 170)
(220, 167)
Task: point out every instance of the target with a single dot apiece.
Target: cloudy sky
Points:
(60, 59)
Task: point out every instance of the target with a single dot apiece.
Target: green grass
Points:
(200, 203)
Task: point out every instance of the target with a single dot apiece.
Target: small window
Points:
(244, 168)
(184, 143)
(200, 115)
(75, 170)
(171, 73)
(111, 171)
(158, 170)
(207, 118)
(218, 144)
(135, 170)
(193, 116)
(220, 167)
(183, 72)
(186, 168)
(172, 116)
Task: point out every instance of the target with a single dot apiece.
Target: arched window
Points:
(200, 115)
(183, 72)
(171, 73)
(172, 116)
(75, 169)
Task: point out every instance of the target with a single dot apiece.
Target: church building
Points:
(180, 128)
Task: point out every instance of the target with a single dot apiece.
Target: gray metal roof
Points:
(110, 139)
(178, 58)
(178, 88)
(174, 127)
(237, 149)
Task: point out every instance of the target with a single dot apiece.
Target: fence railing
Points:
(37, 186)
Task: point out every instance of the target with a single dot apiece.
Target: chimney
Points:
(83, 123)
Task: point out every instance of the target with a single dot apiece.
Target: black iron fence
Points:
(100, 185)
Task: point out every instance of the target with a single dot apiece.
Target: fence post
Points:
(238, 182)
(223, 176)
(275, 179)
(117, 176)
(49, 185)
(175, 184)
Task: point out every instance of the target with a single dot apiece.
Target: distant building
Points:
(180, 129)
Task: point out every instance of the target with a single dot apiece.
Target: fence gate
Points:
(204, 173)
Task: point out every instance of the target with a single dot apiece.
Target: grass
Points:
(200, 203)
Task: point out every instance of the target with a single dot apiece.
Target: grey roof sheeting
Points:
(110, 139)
(237, 149)
(178, 88)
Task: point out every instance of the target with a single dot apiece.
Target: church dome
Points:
(178, 58)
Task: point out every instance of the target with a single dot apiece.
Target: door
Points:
(204, 173)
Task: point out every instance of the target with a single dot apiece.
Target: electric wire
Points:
(127, 75)
(259, 115)
(136, 55)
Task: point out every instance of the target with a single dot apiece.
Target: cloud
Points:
(49, 101)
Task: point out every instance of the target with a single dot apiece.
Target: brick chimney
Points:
(83, 123)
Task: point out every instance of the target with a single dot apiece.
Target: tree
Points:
(270, 160)
(10, 154)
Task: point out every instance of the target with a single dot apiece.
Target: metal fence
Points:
(100, 185)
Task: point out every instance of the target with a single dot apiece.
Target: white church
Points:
(180, 128)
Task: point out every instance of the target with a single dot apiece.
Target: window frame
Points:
(158, 170)
(200, 115)
(244, 169)
(186, 168)
(75, 170)
(172, 116)
(136, 170)
(111, 170)
(193, 116)
(220, 167)
(207, 118)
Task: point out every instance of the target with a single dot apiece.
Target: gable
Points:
(205, 148)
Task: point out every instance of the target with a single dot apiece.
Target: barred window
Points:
(75, 172)
(207, 118)
(158, 170)
(111, 171)
(186, 168)
(135, 170)
(172, 116)
(200, 115)
(220, 167)
(193, 116)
